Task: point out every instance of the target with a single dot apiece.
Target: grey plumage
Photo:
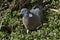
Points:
(38, 11)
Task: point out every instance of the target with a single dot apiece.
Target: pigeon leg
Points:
(27, 31)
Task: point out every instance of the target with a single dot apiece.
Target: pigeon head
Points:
(24, 11)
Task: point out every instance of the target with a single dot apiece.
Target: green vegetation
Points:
(12, 22)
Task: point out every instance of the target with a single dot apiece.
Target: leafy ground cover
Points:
(12, 27)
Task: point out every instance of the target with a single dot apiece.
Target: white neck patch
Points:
(30, 15)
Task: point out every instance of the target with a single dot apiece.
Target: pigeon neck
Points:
(28, 15)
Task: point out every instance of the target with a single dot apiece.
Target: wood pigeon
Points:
(31, 18)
